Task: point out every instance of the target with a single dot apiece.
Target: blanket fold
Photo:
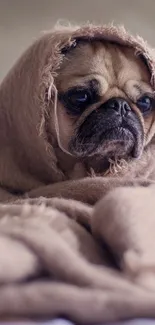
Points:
(51, 266)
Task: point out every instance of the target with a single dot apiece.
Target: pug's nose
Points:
(120, 105)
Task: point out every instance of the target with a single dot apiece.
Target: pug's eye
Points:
(145, 104)
(77, 100)
(79, 97)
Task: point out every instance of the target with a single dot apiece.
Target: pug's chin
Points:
(115, 145)
(101, 160)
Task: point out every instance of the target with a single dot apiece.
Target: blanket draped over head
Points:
(51, 263)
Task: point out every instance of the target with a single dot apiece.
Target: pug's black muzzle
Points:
(113, 128)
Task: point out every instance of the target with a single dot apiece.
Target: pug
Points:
(77, 117)
(106, 104)
(105, 111)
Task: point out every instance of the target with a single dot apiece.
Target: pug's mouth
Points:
(107, 136)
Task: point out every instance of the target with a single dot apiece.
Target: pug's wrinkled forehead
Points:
(110, 66)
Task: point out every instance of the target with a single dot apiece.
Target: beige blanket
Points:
(53, 257)
(51, 265)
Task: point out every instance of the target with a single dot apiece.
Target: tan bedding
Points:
(50, 265)
(53, 258)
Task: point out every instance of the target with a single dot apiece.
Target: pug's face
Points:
(105, 103)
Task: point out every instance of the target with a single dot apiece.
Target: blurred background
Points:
(21, 21)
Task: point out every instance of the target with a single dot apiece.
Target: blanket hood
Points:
(27, 95)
